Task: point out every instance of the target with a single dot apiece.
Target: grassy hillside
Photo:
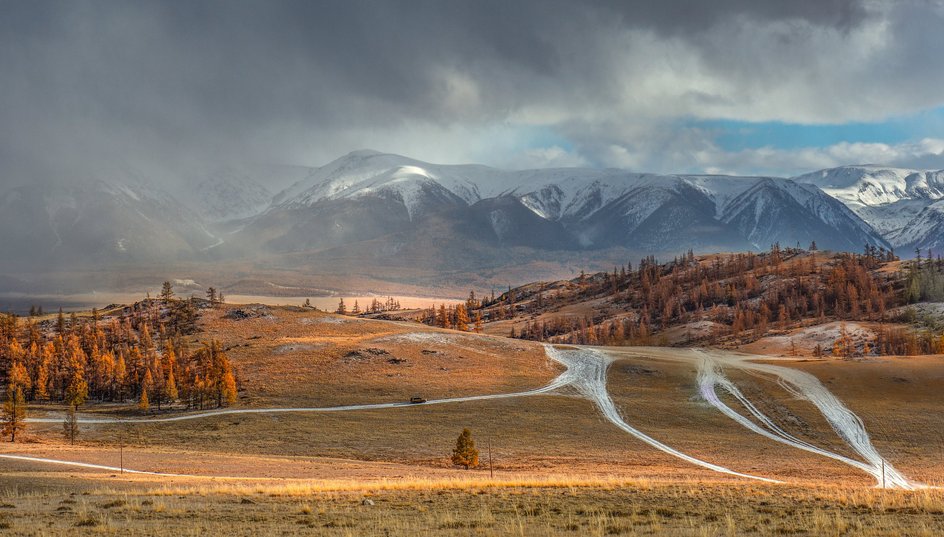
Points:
(729, 300)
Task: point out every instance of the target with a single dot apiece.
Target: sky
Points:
(728, 86)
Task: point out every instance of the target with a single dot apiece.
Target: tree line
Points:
(138, 354)
(743, 295)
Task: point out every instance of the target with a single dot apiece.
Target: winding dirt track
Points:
(804, 386)
(586, 373)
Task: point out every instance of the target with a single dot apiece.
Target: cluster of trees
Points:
(744, 295)
(455, 317)
(887, 341)
(463, 316)
(749, 293)
(925, 279)
(375, 306)
(139, 354)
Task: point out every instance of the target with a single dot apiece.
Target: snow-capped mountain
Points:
(220, 197)
(366, 195)
(877, 185)
(389, 210)
(236, 192)
(96, 221)
(891, 200)
(924, 231)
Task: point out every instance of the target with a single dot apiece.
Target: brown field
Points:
(90, 505)
(560, 468)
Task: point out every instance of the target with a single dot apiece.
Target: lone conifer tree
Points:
(70, 425)
(465, 453)
(167, 292)
(14, 411)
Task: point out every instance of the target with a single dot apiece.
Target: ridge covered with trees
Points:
(734, 298)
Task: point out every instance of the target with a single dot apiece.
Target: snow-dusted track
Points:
(589, 367)
(86, 465)
(804, 386)
(847, 425)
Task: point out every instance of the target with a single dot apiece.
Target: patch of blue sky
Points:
(539, 137)
(737, 135)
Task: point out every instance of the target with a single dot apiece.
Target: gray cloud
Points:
(174, 86)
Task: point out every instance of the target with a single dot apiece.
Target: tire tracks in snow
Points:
(590, 366)
(847, 425)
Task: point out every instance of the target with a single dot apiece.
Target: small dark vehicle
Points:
(416, 399)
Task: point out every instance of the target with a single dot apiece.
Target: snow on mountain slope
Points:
(891, 200)
(925, 230)
(784, 211)
(877, 185)
(363, 172)
(96, 221)
(597, 208)
(230, 194)
(550, 193)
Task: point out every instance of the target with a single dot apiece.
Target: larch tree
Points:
(143, 403)
(229, 387)
(70, 425)
(167, 293)
(14, 411)
(465, 454)
(462, 318)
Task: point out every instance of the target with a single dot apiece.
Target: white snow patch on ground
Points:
(324, 320)
(424, 337)
(823, 334)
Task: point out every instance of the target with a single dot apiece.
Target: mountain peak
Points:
(363, 153)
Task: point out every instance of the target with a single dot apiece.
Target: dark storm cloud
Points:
(177, 85)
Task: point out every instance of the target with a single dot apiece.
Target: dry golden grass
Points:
(303, 358)
(476, 507)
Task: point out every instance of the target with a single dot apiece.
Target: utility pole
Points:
(491, 473)
(121, 447)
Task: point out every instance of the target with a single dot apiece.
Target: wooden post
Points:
(121, 448)
(491, 473)
(883, 473)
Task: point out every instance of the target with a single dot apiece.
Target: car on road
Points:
(416, 399)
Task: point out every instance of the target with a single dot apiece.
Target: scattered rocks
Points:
(396, 361)
(367, 501)
(360, 354)
(641, 371)
(297, 347)
(255, 311)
